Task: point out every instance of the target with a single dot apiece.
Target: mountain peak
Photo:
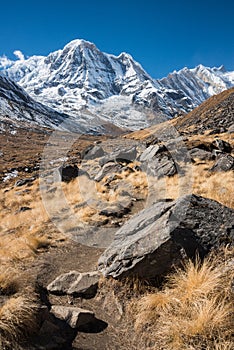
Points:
(80, 43)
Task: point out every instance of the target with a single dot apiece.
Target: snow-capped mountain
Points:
(93, 86)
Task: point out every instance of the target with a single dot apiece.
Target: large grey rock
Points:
(149, 153)
(224, 163)
(107, 169)
(127, 155)
(162, 166)
(93, 152)
(81, 284)
(200, 154)
(154, 239)
(73, 316)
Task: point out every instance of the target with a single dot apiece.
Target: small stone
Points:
(73, 316)
(74, 282)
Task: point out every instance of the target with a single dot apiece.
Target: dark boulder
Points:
(68, 172)
(222, 146)
(155, 239)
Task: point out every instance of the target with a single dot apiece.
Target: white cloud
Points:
(19, 55)
(5, 62)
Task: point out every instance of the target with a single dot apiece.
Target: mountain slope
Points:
(217, 114)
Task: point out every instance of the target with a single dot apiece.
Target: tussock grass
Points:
(17, 320)
(9, 280)
(193, 311)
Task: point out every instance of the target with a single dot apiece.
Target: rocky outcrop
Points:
(152, 241)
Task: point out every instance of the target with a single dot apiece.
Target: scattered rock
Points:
(117, 210)
(23, 182)
(149, 153)
(222, 146)
(231, 129)
(73, 316)
(224, 163)
(93, 152)
(152, 241)
(200, 154)
(108, 168)
(164, 166)
(214, 131)
(75, 283)
(121, 156)
(22, 209)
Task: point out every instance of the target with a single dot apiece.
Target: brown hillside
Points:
(217, 113)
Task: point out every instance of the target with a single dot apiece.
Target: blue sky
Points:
(162, 35)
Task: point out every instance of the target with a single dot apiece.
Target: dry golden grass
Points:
(193, 311)
(218, 186)
(17, 320)
(200, 181)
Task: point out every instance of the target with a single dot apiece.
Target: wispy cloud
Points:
(19, 55)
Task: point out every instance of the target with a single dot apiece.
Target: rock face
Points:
(149, 153)
(162, 166)
(154, 239)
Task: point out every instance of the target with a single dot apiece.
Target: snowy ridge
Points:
(17, 109)
(94, 87)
